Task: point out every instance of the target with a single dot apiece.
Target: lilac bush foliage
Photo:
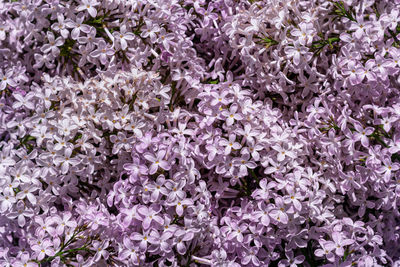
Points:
(200, 133)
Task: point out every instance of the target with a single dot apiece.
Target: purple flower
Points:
(130, 251)
(181, 237)
(150, 30)
(63, 222)
(264, 191)
(165, 39)
(283, 152)
(304, 34)
(149, 215)
(26, 192)
(146, 141)
(26, 261)
(326, 250)
(100, 249)
(23, 101)
(262, 214)
(236, 231)
(43, 249)
(157, 161)
(362, 133)
(6, 79)
(293, 198)
(66, 161)
(279, 213)
(388, 169)
(123, 36)
(61, 27)
(174, 190)
(20, 213)
(338, 243)
(219, 98)
(229, 144)
(89, 6)
(231, 115)
(291, 260)
(144, 239)
(208, 15)
(180, 204)
(353, 72)
(250, 256)
(359, 27)
(7, 199)
(135, 170)
(77, 26)
(130, 215)
(244, 163)
(297, 52)
(102, 52)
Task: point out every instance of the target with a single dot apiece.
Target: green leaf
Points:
(267, 41)
(213, 81)
(65, 49)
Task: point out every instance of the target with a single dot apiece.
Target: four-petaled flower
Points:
(67, 160)
(157, 161)
(149, 215)
(123, 36)
(89, 5)
(232, 115)
(43, 249)
(102, 52)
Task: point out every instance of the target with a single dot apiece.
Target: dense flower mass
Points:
(200, 133)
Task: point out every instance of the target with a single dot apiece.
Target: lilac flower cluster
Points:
(200, 133)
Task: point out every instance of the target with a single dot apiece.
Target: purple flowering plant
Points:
(200, 133)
